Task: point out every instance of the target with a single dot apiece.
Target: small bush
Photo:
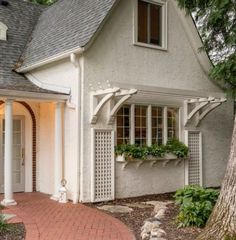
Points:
(196, 204)
(176, 147)
(4, 226)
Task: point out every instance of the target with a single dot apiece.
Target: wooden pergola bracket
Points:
(201, 108)
(126, 96)
(101, 97)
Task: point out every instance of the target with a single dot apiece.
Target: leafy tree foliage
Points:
(216, 20)
(44, 2)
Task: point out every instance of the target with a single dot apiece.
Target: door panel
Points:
(18, 168)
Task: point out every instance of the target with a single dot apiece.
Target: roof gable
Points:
(20, 17)
(70, 25)
(66, 25)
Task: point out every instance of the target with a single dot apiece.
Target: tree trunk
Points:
(222, 222)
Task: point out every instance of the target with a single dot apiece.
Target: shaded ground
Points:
(135, 219)
(14, 232)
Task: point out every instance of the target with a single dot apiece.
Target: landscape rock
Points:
(153, 220)
(145, 235)
(137, 205)
(147, 227)
(160, 233)
(158, 203)
(116, 209)
(160, 214)
(151, 229)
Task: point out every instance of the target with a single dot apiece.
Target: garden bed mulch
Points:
(13, 232)
(135, 219)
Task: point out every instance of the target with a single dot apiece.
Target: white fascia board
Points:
(46, 86)
(36, 96)
(54, 58)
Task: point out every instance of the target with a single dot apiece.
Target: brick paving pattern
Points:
(46, 219)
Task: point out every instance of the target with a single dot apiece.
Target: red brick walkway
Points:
(45, 219)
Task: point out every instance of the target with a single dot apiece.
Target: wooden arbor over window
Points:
(101, 97)
(199, 108)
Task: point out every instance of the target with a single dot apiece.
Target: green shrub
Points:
(176, 147)
(196, 204)
(132, 151)
(157, 150)
(4, 226)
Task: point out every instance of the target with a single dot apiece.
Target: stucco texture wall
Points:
(113, 60)
(45, 157)
(116, 59)
(217, 129)
(61, 74)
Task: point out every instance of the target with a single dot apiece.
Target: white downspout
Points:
(76, 61)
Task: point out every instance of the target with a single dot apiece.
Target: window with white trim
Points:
(149, 127)
(172, 122)
(140, 123)
(151, 23)
(123, 125)
(157, 125)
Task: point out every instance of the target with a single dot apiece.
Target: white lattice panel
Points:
(103, 165)
(195, 165)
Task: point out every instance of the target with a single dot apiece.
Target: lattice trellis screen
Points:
(103, 166)
(195, 160)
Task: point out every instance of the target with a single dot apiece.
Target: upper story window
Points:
(146, 125)
(151, 24)
(3, 31)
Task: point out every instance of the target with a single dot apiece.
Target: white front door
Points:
(18, 154)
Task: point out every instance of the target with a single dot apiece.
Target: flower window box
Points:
(173, 151)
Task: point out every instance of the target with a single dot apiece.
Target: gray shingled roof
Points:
(65, 25)
(20, 18)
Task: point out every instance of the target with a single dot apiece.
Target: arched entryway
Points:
(23, 112)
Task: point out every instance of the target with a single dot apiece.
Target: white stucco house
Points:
(81, 76)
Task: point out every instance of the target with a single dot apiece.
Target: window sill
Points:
(139, 44)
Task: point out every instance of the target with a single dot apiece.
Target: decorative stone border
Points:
(151, 229)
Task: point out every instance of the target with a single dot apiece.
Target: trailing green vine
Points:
(132, 151)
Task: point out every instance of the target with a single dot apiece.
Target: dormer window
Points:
(3, 31)
(151, 24)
